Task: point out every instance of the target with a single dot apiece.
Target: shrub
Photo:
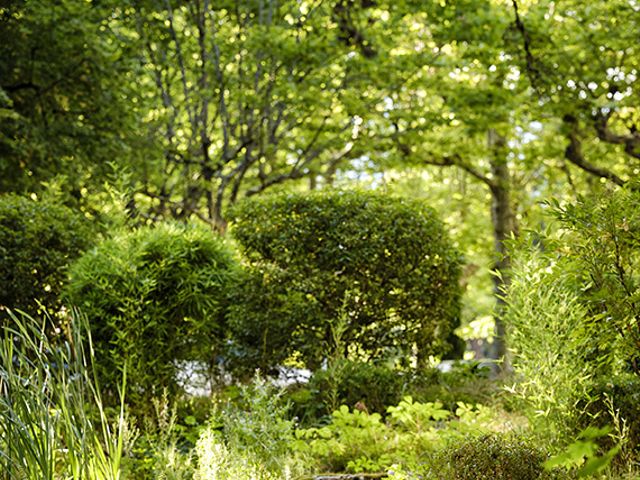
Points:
(154, 297)
(249, 439)
(572, 306)
(496, 457)
(545, 330)
(369, 386)
(382, 265)
(37, 241)
(615, 402)
(603, 238)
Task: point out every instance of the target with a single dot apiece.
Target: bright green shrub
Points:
(380, 266)
(603, 238)
(496, 457)
(573, 309)
(154, 296)
(410, 438)
(37, 241)
(545, 331)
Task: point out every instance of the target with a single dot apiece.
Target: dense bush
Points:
(365, 385)
(615, 402)
(154, 297)
(547, 339)
(496, 457)
(604, 240)
(37, 241)
(350, 272)
(572, 307)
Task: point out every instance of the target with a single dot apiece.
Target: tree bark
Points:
(504, 226)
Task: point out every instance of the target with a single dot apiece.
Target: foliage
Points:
(604, 238)
(496, 457)
(38, 239)
(65, 94)
(52, 420)
(412, 435)
(249, 439)
(583, 453)
(612, 403)
(572, 311)
(153, 297)
(371, 386)
(466, 382)
(381, 267)
(547, 339)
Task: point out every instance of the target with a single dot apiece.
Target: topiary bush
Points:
(37, 241)
(154, 297)
(496, 457)
(342, 272)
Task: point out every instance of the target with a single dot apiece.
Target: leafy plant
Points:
(154, 297)
(384, 264)
(53, 423)
(249, 438)
(496, 457)
(38, 239)
(547, 337)
(411, 439)
(583, 454)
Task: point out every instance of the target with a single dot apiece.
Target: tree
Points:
(64, 101)
(247, 96)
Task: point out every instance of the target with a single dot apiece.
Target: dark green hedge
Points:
(355, 271)
(37, 241)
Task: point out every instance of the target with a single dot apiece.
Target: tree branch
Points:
(574, 154)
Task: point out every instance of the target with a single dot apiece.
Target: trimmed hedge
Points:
(342, 272)
(37, 241)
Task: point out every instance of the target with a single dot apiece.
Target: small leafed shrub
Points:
(382, 266)
(154, 297)
(38, 239)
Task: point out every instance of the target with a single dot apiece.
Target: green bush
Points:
(154, 297)
(250, 438)
(572, 308)
(368, 386)
(546, 336)
(496, 457)
(381, 266)
(37, 241)
(468, 383)
(603, 238)
(615, 402)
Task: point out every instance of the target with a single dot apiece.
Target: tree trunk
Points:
(504, 226)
